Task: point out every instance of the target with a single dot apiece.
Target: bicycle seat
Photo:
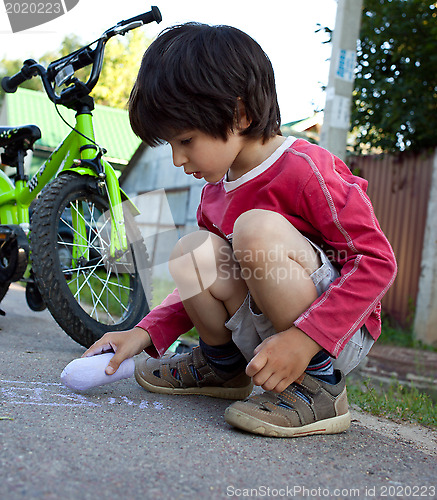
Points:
(22, 137)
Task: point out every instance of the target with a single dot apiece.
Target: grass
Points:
(161, 287)
(396, 402)
(393, 334)
(402, 337)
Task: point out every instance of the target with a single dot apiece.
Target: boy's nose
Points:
(179, 159)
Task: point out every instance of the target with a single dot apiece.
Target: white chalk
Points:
(83, 373)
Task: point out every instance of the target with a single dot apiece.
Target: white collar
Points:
(262, 167)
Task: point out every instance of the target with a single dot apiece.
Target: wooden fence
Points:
(399, 187)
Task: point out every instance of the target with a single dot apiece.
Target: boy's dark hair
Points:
(192, 77)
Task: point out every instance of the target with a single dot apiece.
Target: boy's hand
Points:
(281, 359)
(125, 344)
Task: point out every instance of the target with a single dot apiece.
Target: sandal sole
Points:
(333, 425)
(235, 393)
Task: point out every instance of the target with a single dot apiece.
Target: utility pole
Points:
(336, 121)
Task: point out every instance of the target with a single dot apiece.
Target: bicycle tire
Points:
(71, 294)
(4, 287)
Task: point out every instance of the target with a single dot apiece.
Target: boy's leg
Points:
(277, 263)
(215, 291)
(211, 288)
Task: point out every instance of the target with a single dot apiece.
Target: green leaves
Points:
(395, 97)
(120, 68)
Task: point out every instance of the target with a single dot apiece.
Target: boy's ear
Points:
(242, 121)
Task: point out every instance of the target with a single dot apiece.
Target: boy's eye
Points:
(184, 142)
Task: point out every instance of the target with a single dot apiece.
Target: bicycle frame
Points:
(16, 199)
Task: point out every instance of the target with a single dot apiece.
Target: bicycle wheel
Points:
(87, 291)
(4, 287)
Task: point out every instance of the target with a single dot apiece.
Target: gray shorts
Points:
(249, 329)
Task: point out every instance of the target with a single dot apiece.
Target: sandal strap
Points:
(164, 371)
(205, 371)
(310, 384)
(182, 363)
(186, 376)
(296, 409)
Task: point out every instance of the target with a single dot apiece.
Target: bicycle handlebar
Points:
(10, 83)
(63, 69)
(146, 18)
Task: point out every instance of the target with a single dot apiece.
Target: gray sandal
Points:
(189, 374)
(308, 406)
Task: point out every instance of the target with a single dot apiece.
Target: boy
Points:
(267, 302)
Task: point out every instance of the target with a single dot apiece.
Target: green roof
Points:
(290, 124)
(111, 126)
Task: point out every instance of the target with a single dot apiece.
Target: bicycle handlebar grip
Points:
(146, 18)
(10, 83)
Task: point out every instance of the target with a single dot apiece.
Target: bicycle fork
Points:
(92, 164)
(119, 243)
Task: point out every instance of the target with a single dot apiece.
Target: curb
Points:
(405, 365)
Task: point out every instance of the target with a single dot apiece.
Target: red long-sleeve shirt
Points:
(318, 194)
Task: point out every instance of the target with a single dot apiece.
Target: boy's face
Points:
(204, 156)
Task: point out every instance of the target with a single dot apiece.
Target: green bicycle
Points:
(78, 249)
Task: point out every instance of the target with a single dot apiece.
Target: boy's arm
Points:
(155, 333)
(334, 202)
(168, 321)
(165, 323)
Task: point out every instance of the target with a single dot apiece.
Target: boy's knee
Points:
(256, 229)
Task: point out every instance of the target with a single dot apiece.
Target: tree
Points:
(120, 67)
(395, 96)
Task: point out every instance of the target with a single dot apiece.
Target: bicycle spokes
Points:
(99, 282)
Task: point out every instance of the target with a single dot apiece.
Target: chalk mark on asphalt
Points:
(51, 394)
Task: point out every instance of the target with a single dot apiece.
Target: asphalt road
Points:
(121, 442)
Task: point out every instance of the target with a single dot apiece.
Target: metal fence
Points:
(399, 187)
